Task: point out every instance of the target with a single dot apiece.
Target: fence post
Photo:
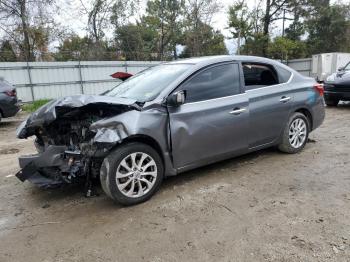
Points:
(80, 78)
(126, 66)
(30, 81)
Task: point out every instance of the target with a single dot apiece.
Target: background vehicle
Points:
(324, 65)
(8, 100)
(337, 86)
(169, 119)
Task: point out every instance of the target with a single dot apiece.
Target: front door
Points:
(213, 121)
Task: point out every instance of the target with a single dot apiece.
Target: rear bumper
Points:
(318, 114)
(335, 95)
(337, 91)
(9, 106)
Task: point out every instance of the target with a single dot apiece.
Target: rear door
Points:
(213, 121)
(270, 101)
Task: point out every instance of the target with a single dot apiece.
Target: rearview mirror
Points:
(176, 99)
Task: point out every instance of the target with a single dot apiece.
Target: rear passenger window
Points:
(259, 75)
(214, 82)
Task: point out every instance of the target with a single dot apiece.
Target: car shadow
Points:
(75, 193)
(209, 170)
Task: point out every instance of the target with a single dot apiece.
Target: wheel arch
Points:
(145, 139)
(306, 112)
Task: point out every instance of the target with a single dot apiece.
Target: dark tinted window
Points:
(259, 75)
(214, 82)
(283, 74)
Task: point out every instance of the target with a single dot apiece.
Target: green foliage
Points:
(317, 27)
(137, 42)
(328, 30)
(203, 42)
(240, 21)
(75, 48)
(284, 49)
(33, 106)
(7, 54)
(165, 18)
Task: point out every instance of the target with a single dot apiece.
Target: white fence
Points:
(48, 80)
(303, 66)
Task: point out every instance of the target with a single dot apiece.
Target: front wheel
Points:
(295, 134)
(132, 173)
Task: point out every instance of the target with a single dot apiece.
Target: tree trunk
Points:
(267, 21)
(26, 43)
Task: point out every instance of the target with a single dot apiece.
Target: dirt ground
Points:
(265, 206)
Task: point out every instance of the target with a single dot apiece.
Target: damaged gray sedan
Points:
(169, 119)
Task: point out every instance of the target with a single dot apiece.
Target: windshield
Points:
(148, 84)
(347, 67)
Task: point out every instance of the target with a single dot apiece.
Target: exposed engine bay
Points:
(67, 151)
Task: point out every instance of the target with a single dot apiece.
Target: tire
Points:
(332, 102)
(136, 183)
(290, 145)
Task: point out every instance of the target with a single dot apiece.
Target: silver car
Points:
(169, 119)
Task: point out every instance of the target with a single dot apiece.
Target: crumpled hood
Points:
(339, 77)
(52, 110)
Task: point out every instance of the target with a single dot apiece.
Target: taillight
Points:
(319, 88)
(12, 93)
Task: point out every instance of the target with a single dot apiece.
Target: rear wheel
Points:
(331, 102)
(132, 173)
(295, 134)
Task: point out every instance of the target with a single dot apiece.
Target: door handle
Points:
(284, 99)
(238, 111)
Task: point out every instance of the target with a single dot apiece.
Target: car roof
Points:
(209, 60)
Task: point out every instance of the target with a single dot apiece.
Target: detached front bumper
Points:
(43, 169)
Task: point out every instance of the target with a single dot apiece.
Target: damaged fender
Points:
(151, 124)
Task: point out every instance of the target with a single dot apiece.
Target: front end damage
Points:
(70, 140)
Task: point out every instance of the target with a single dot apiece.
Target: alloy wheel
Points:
(136, 174)
(297, 133)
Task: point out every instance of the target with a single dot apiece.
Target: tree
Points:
(122, 10)
(7, 54)
(165, 17)
(136, 42)
(197, 25)
(273, 12)
(240, 21)
(285, 49)
(24, 22)
(245, 23)
(208, 42)
(73, 48)
(328, 29)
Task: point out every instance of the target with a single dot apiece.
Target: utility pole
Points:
(284, 19)
(239, 42)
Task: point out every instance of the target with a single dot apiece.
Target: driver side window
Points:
(215, 82)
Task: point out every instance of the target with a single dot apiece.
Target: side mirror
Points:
(176, 99)
(341, 68)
